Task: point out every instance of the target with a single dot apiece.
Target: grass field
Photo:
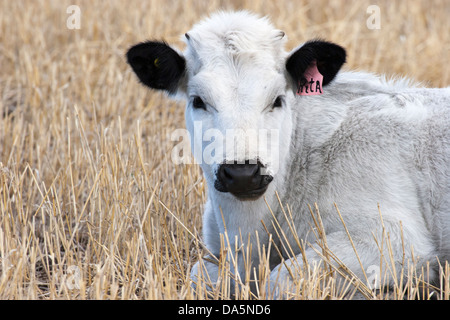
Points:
(91, 206)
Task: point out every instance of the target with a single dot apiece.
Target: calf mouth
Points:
(250, 195)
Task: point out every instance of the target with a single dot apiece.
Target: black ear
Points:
(329, 57)
(157, 65)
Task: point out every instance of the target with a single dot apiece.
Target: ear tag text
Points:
(312, 84)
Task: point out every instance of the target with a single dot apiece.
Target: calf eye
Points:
(198, 103)
(278, 103)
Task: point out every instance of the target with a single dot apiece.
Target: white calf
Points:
(341, 137)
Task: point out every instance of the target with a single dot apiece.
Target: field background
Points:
(91, 206)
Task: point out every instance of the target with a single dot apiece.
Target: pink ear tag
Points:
(312, 85)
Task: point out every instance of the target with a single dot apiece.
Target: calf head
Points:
(240, 86)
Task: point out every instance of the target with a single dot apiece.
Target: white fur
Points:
(365, 141)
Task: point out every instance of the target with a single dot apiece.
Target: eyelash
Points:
(198, 103)
(278, 103)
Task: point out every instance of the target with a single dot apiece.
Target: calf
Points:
(349, 138)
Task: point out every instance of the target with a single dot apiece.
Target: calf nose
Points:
(245, 180)
(239, 177)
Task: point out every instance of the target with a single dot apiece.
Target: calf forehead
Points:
(239, 38)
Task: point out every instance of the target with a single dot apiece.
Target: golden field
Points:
(91, 206)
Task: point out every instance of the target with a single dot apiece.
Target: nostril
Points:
(267, 179)
(255, 170)
(227, 174)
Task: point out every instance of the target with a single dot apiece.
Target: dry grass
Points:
(91, 206)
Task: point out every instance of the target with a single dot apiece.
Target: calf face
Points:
(240, 85)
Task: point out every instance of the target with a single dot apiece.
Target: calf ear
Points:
(329, 57)
(157, 65)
